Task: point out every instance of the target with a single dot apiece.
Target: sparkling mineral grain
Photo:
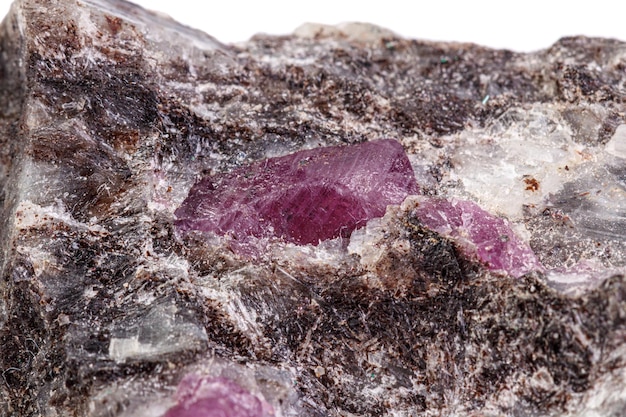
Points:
(305, 197)
(136, 152)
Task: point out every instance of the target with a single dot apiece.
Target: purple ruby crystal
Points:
(305, 197)
(200, 396)
(480, 234)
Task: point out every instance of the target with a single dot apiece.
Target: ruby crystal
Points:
(479, 234)
(200, 396)
(305, 197)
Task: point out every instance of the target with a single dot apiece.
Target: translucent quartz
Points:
(304, 197)
(200, 396)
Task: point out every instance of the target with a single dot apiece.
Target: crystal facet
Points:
(304, 197)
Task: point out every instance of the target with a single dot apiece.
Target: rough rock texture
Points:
(110, 114)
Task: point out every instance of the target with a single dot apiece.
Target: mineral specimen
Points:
(304, 197)
(498, 290)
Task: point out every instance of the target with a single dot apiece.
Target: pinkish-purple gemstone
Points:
(305, 197)
(200, 396)
(480, 234)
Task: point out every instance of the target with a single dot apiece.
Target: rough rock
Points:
(110, 114)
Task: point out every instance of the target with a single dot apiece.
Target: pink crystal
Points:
(200, 396)
(479, 234)
(305, 197)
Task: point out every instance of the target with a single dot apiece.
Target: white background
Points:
(520, 25)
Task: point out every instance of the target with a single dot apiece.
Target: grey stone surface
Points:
(109, 114)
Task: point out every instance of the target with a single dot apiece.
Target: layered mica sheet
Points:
(110, 114)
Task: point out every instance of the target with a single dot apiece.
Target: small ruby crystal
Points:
(479, 234)
(305, 197)
(200, 396)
